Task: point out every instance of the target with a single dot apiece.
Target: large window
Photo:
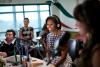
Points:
(11, 17)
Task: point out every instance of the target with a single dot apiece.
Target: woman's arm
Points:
(32, 33)
(20, 34)
(63, 56)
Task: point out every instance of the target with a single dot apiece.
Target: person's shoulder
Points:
(31, 28)
(66, 34)
(21, 28)
(49, 34)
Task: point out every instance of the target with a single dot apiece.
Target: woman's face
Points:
(82, 27)
(26, 22)
(51, 26)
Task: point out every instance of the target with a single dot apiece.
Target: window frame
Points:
(14, 12)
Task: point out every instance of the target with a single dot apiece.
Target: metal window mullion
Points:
(23, 12)
(15, 21)
(39, 18)
(14, 16)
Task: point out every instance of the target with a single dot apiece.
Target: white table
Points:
(34, 62)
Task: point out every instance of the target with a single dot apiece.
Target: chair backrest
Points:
(37, 33)
(74, 47)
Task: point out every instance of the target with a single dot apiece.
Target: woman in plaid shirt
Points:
(26, 32)
(26, 36)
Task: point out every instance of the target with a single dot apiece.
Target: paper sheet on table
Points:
(12, 59)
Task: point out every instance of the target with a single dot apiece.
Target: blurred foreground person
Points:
(87, 15)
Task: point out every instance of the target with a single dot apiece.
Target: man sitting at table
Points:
(10, 46)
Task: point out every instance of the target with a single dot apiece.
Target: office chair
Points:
(74, 46)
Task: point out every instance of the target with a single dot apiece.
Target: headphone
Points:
(58, 21)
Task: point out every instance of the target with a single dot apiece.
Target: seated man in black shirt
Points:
(11, 45)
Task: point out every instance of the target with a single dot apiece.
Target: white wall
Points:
(69, 6)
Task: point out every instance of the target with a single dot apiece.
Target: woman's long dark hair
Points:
(63, 41)
(89, 13)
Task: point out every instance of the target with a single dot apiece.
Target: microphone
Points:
(51, 58)
(17, 48)
(3, 42)
(49, 62)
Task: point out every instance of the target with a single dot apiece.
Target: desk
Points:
(34, 62)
